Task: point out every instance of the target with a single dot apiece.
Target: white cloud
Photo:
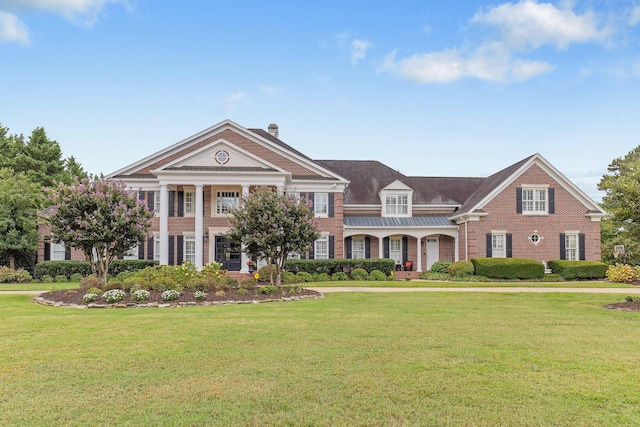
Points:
(84, 12)
(236, 100)
(359, 50)
(270, 90)
(518, 28)
(12, 29)
(635, 16)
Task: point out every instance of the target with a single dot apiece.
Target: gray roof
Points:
(376, 221)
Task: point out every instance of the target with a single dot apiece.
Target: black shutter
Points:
(519, 200)
(552, 201)
(67, 254)
(180, 250)
(150, 248)
(331, 247)
(509, 252)
(171, 250)
(347, 243)
(405, 249)
(141, 249)
(311, 250)
(150, 204)
(141, 195)
(331, 203)
(385, 243)
(563, 254)
(172, 203)
(180, 203)
(47, 251)
(581, 248)
(489, 245)
(367, 247)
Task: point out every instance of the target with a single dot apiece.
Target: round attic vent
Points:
(222, 157)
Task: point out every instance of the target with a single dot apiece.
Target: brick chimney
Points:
(273, 130)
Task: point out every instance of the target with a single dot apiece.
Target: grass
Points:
(442, 284)
(38, 286)
(353, 359)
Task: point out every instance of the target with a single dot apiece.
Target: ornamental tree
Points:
(272, 225)
(621, 185)
(100, 217)
(19, 200)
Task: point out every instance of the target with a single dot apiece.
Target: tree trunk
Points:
(12, 262)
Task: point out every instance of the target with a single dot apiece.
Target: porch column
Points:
(164, 225)
(199, 227)
(419, 245)
(380, 247)
(456, 243)
(244, 268)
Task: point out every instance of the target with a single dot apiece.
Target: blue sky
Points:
(431, 88)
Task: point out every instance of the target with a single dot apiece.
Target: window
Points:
(395, 250)
(190, 249)
(226, 201)
(498, 246)
(156, 248)
(571, 247)
(321, 204)
(189, 203)
(131, 253)
(396, 205)
(156, 202)
(534, 200)
(57, 252)
(357, 248)
(321, 248)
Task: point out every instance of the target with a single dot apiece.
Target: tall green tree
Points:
(101, 217)
(19, 201)
(272, 225)
(621, 226)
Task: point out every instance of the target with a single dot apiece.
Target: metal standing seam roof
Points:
(431, 221)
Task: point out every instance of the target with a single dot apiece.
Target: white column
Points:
(380, 247)
(199, 227)
(419, 243)
(456, 243)
(164, 225)
(244, 268)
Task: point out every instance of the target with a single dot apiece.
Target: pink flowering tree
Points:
(101, 217)
(272, 225)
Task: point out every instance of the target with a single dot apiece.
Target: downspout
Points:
(466, 242)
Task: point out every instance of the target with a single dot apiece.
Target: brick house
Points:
(365, 209)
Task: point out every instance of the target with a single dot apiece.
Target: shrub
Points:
(334, 265)
(304, 276)
(213, 269)
(440, 267)
(61, 278)
(552, 278)
(162, 284)
(340, 275)
(226, 283)
(61, 268)
(289, 277)
(243, 291)
(433, 275)
(320, 277)
(124, 275)
(377, 275)
(263, 272)
(623, 273)
(96, 291)
(508, 268)
(88, 282)
(268, 289)
(9, 275)
(140, 295)
(76, 277)
(220, 293)
(170, 295)
(200, 283)
(461, 268)
(248, 283)
(293, 289)
(580, 270)
(199, 295)
(185, 272)
(118, 266)
(113, 296)
(359, 274)
(90, 297)
(47, 279)
(113, 284)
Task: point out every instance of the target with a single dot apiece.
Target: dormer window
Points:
(396, 200)
(396, 205)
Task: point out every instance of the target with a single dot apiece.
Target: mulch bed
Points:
(624, 306)
(74, 297)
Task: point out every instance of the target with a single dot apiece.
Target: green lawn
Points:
(441, 284)
(354, 359)
(38, 286)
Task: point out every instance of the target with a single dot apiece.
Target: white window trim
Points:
(396, 193)
(191, 203)
(156, 202)
(576, 236)
(324, 214)
(536, 189)
(156, 247)
(494, 248)
(398, 259)
(214, 200)
(362, 253)
(189, 238)
(57, 248)
(323, 239)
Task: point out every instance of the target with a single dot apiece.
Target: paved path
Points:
(497, 289)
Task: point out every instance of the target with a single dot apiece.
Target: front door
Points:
(433, 252)
(228, 253)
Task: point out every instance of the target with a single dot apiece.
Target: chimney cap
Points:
(273, 129)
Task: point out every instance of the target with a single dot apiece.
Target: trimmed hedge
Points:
(508, 268)
(578, 270)
(332, 266)
(69, 268)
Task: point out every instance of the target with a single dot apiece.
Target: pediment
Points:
(397, 185)
(219, 154)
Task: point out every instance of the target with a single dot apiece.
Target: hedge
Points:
(578, 270)
(508, 268)
(68, 268)
(332, 266)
